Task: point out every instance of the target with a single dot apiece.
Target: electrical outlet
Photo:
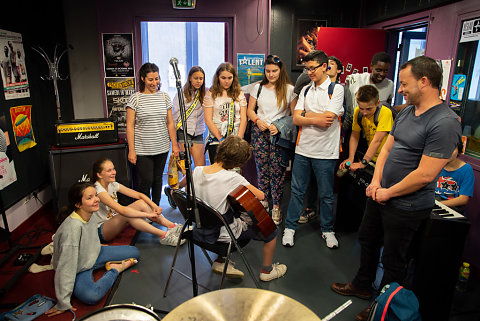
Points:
(27, 198)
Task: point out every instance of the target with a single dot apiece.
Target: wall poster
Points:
(118, 54)
(304, 39)
(470, 30)
(22, 127)
(7, 167)
(13, 69)
(117, 92)
(250, 68)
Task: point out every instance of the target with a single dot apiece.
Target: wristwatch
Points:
(364, 162)
(303, 113)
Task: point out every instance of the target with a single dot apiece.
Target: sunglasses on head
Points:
(274, 58)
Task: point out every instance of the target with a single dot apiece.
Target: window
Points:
(411, 44)
(192, 43)
(465, 96)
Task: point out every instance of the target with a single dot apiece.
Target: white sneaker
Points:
(278, 270)
(232, 272)
(177, 229)
(287, 239)
(170, 239)
(330, 239)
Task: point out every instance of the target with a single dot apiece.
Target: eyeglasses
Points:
(274, 58)
(312, 69)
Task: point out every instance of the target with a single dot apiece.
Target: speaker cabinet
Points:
(71, 165)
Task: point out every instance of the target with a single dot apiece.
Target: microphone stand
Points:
(192, 209)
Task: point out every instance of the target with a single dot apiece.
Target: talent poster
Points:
(7, 167)
(118, 54)
(13, 69)
(22, 127)
(250, 68)
(117, 92)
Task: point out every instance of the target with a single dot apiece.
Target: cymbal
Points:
(241, 304)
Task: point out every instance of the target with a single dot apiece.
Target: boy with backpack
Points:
(373, 120)
(318, 146)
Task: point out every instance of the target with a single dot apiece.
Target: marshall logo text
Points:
(87, 136)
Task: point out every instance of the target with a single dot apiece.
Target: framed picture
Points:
(304, 39)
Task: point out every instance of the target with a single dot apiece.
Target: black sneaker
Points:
(168, 192)
(307, 215)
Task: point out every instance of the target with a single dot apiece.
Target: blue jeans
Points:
(90, 292)
(324, 170)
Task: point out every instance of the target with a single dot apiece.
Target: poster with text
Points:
(13, 69)
(250, 68)
(117, 92)
(22, 127)
(118, 54)
(7, 167)
(470, 30)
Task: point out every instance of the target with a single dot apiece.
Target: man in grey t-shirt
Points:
(401, 193)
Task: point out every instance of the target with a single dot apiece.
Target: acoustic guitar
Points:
(242, 200)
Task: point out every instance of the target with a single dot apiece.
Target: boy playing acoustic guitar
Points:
(212, 185)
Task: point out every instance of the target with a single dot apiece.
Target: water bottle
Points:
(342, 172)
(463, 277)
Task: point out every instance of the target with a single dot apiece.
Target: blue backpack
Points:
(395, 303)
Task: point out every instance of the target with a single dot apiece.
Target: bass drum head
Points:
(122, 312)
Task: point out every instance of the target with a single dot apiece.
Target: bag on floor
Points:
(395, 303)
(30, 309)
(172, 172)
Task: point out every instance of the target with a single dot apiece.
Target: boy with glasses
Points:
(318, 146)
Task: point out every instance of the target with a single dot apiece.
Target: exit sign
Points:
(184, 4)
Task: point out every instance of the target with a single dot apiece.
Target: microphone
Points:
(328, 68)
(174, 63)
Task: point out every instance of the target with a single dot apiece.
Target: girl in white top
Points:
(275, 101)
(150, 128)
(193, 94)
(114, 217)
(224, 101)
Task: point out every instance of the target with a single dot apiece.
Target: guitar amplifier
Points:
(82, 132)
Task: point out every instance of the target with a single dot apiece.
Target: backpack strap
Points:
(330, 89)
(384, 313)
(306, 91)
(375, 117)
(258, 94)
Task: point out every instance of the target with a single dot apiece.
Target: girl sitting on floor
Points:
(114, 217)
(78, 252)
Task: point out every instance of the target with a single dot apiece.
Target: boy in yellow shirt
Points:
(374, 120)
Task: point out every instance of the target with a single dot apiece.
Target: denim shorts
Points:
(198, 139)
(100, 234)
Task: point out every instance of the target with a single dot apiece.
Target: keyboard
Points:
(445, 212)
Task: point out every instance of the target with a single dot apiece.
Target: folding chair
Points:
(209, 218)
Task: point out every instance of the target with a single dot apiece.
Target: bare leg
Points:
(268, 252)
(198, 155)
(117, 224)
(140, 205)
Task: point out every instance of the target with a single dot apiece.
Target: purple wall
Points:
(444, 25)
(243, 14)
(115, 19)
